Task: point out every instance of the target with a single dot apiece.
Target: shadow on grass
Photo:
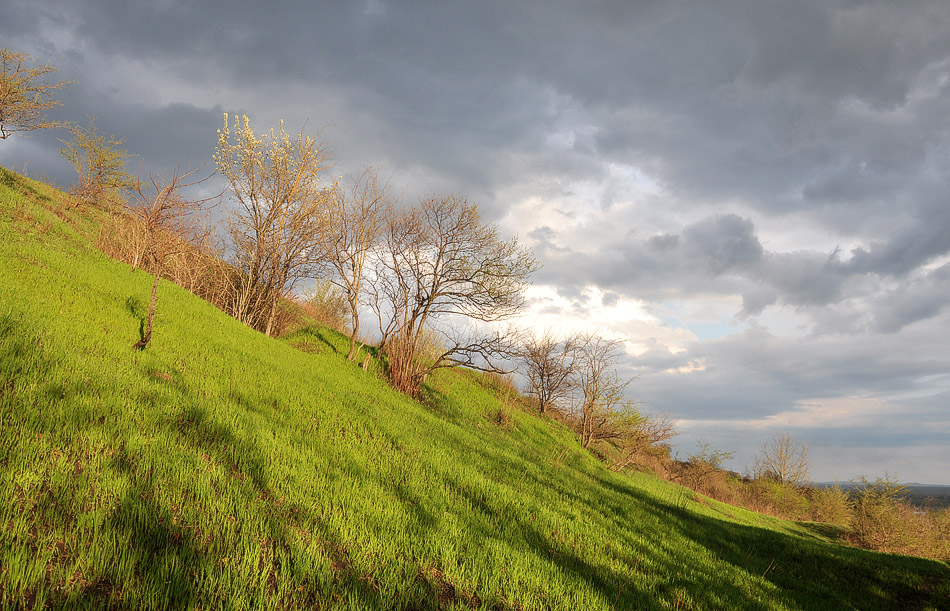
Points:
(136, 308)
(162, 555)
(551, 549)
(805, 573)
(439, 403)
(322, 335)
(751, 567)
(822, 531)
(284, 522)
(24, 187)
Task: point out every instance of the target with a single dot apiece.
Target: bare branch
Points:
(549, 363)
(598, 390)
(357, 219)
(99, 163)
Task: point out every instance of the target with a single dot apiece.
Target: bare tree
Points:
(439, 262)
(166, 217)
(98, 161)
(599, 390)
(280, 213)
(783, 459)
(198, 266)
(357, 219)
(24, 97)
(549, 363)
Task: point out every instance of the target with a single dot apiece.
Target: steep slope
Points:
(223, 468)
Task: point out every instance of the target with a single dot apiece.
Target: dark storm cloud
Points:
(662, 265)
(722, 255)
(800, 278)
(837, 50)
(820, 86)
(717, 255)
(186, 139)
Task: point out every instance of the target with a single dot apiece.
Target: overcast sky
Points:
(753, 195)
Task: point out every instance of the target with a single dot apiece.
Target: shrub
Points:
(123, 239)
(830, 505)
(703, 467)
(500, 415)
(881, 519)
(781, 499)
(784, 460)
(408, 364)
(505, 389)
(196, 266)
(404, 365)
(941, 533)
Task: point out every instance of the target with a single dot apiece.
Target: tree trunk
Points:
(271, 317)
(587, 434)
(352, 354)
(147, 335)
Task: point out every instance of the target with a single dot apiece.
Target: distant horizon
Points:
(914, 484)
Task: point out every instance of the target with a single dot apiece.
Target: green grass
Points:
(223, 469)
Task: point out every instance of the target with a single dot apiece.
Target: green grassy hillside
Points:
(223, 469)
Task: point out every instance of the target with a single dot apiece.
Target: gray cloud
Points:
(721, 243)
(755, 374)
(918, 300)
(927, 237)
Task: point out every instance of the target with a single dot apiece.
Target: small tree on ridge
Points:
(98, 161)
(24, 97)
(440, 262)
(600, 392)
(784, 460)
(276, 227)
(356, 220)
(549, 364)
(167, 219)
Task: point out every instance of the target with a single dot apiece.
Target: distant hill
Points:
(928, 495)
(220, 468)
(920, 495)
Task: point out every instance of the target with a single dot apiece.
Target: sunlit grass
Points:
(220, 468)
